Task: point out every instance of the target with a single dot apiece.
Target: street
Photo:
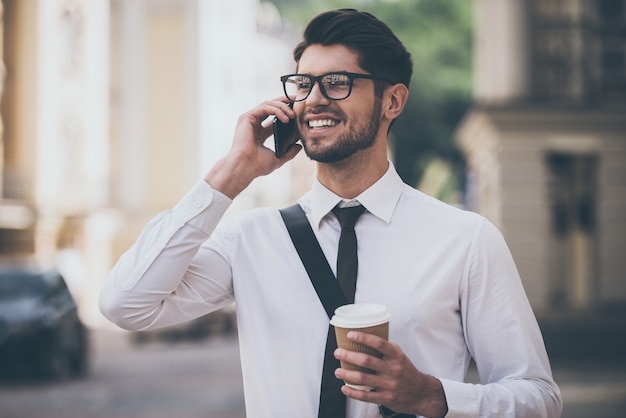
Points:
(203, 379)
(157, 379)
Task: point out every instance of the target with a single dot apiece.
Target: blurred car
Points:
(41, 334)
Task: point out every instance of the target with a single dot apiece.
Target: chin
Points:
(326, 156)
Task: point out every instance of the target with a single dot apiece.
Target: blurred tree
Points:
(438, 33)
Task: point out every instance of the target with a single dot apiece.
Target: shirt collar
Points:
(379, 199)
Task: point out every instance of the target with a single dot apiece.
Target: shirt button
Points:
(197, 204)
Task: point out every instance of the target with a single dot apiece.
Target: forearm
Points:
(144, 289)
(146, 280)
(518, 398)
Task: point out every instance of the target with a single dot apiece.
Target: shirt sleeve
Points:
(503, 338)
(160, 280)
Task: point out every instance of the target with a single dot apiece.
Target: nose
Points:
(316, 96)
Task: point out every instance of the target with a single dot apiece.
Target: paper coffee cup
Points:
(364, 317)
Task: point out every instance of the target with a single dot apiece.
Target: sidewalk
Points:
(598, 335)
(591, 389)
(588, 356)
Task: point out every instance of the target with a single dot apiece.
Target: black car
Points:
(41, 334)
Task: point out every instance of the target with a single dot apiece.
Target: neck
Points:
(352, 176)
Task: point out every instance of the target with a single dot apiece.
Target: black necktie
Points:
(332, 400)
(347, 261)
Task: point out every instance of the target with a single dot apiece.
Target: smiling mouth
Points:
(322, 123)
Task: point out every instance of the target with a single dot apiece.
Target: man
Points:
(445, 275)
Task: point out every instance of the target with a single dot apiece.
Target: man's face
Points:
(332, 130)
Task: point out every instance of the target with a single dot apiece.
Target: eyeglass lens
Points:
(333, 86)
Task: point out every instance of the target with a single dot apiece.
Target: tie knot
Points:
(348, 216)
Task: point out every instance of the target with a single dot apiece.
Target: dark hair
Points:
(380, 52)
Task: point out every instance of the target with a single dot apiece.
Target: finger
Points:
(373, 341)
(281, 109)
(379, 394)
(358, 394)
(266, 132)
(359, 359)
(264, 112)
(292, 151)
(372, 396)
(357, 377)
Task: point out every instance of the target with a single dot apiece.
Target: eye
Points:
(303, 83)
(336, 81)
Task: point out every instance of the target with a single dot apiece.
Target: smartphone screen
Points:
(285, 135)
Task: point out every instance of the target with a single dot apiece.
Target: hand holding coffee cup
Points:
(364, 317)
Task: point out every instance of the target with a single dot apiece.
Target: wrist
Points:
(229, 177)
(433, 404)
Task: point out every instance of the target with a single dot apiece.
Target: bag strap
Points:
(312, 256)
(327, 288)
(332, 402)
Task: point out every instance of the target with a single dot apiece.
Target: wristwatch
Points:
(388, 413)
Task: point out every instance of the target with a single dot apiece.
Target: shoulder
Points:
(417, 204)
(444, 220)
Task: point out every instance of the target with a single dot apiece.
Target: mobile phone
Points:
(285, 135)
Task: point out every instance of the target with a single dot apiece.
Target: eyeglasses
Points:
(334, 86)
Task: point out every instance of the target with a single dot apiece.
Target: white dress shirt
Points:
(446, 276)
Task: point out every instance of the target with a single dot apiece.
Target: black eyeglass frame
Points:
(318, 80)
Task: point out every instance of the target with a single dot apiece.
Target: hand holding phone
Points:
(285, 135)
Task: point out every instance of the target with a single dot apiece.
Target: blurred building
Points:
(546, 145)
(112, 109)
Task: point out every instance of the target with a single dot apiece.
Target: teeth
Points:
(322, 123)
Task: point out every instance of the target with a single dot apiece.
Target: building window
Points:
(573, 257)
(611, 15)
(579, 50)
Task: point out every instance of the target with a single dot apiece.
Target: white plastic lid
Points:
(360, 315)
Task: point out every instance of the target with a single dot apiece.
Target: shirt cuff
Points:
(202, 196)
(461, 399)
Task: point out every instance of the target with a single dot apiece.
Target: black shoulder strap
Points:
(329, 293)
(313, 258)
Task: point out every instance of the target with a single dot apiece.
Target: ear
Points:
(394, 100)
